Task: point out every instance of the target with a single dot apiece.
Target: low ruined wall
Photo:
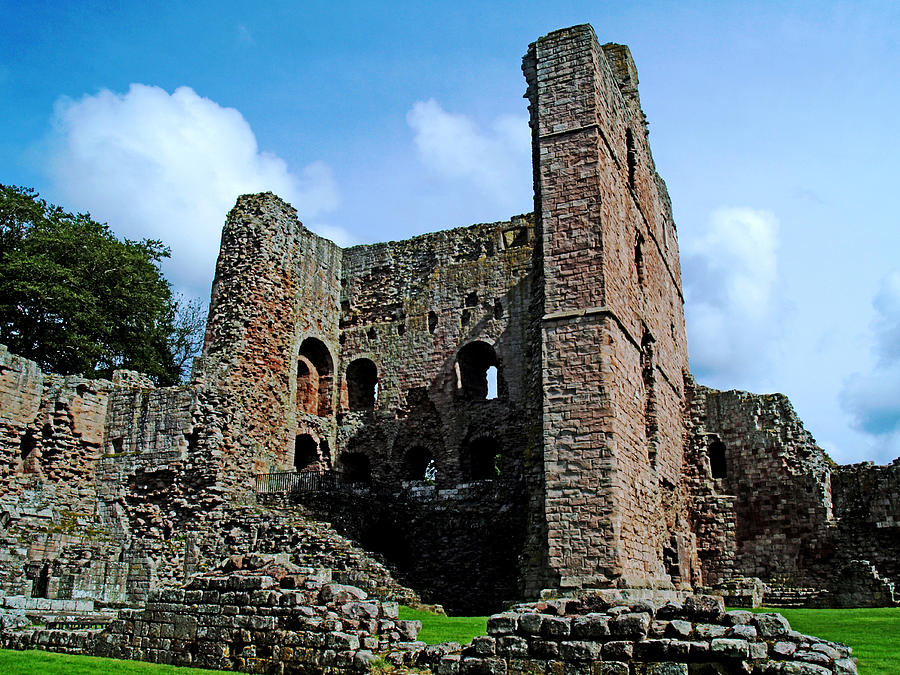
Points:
(696, 636)
(253, 624)
(289, 623)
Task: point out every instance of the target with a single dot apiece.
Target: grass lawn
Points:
(874, 634)
(438, 628)
(33, 662)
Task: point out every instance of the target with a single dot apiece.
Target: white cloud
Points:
(496, 162)
(873, 399)
(170, 166)
(730, 277)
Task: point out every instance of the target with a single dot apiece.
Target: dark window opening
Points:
(498, 309)
(306, 452)
(484, 459)
(193, 439)
(432, 321)
(362, 384)
(27, 444)
(718, 467)
(473, 362)
(631, 157)
(418, 464)
(372, 333)
(315, 369)
(401, 328)
(466, 317)
(515, 237)
(648, 373)
(118, 444)
(355, 468)
(670, 560)
(472, 299)
(639, 259)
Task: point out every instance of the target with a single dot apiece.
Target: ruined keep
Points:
(500, 412)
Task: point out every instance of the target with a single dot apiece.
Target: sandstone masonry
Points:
(472, 417)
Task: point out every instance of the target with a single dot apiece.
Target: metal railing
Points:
(289, 482)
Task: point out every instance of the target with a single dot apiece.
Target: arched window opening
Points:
(432, 321)
(417, 463)
(362, 384)
(473, 362)
(485, 459)
(306, 452)
(355, 468)
(718, 466)
(307, 386)
(315, 369)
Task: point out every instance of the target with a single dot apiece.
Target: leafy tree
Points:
(76, 299)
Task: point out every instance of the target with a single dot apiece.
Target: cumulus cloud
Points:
(873, 399)
(170, 166)
(496, 161)
(730, 277)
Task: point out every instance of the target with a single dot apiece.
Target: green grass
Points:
(33, 662)
(874, 634)
(439, 628)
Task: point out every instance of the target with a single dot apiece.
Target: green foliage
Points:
(46, 663)
(874, 634)
(438, 628)
(76, 299)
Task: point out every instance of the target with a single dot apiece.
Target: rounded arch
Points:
(477, 371)
(362, 384)
(315, 373)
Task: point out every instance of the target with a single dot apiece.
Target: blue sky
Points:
(774, 125)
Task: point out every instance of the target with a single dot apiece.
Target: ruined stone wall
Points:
(276, 284)
(769, 514)
(411, 308)
(867, 507)
(613, 327)
(64, 536)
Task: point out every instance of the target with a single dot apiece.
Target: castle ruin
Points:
(501, 412)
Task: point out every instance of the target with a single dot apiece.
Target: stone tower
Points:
(613, 345)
